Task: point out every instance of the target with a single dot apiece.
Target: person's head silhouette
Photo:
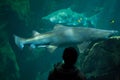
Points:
(70, 56)
(67, 70)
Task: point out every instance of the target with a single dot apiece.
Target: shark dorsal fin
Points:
(59, 26)
(69, 8)
(35, 33)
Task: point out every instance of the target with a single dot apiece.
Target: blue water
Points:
(24, 16)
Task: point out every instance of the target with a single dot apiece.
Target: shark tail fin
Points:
(94, 19)
(19, 41)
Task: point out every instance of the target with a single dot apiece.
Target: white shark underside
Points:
(65, 36)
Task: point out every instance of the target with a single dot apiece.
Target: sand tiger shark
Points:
(71, 18)
(64, 36)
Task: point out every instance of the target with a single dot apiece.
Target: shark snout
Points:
(114, 33)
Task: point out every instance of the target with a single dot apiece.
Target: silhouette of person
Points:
(67, 70)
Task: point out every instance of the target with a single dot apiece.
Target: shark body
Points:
(72, 18)
(65, 36)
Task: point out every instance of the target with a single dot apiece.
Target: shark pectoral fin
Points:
(82, 47)
(51, 48)
(32, 46)
(41, 46)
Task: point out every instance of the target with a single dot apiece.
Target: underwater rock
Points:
(9, 69)
(22, 7)
(102, 60)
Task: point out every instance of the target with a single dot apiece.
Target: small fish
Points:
(112, 21)
(65, 36)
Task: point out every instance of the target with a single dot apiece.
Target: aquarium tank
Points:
(34, 34)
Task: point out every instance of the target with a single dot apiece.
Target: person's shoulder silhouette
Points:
(67, 70)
